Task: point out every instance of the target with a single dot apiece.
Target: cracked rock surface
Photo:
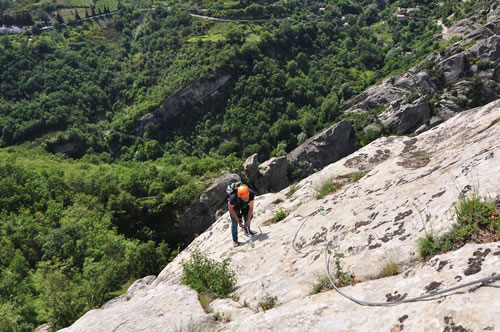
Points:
(376, 219)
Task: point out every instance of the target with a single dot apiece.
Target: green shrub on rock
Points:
(204, 274)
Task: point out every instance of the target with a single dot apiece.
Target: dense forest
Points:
(88, 204)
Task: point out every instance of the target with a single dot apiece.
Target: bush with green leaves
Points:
(472, 214)
(8, 318)
(474, 210)
(279, 215)
(204, 274)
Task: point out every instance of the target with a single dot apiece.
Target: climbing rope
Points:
(415, 299)
(321, 211)
(430, 296)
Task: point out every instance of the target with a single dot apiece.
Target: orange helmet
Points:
(243, 191)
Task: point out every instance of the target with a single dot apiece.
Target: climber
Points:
(240, 205)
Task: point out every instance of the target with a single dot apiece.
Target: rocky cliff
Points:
(385, 192)
(463, 75)
(187, 100)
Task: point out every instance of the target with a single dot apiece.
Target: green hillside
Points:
(87, 202)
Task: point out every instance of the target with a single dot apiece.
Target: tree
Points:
(292, 68)
(330, 107)
(234, 35)
(36, 28)
(5, 4)
(153, 149)
(9, 319)
(59, 18)
(307, 122)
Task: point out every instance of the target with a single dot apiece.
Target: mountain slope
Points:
(377, 220)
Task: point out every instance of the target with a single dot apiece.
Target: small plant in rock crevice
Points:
(412, 97)
(191, 327)
(328, 187)
(357, 176)
(222, 317)
(268, 302)
(322, 285)
(279, 215)
(391, 268)
(342, 278)
(476, 221)
(291, 190)
(423, 157)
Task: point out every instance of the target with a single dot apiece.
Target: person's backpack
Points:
(232, 188)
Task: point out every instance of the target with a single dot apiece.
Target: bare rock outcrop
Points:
(210, 205)
(193, 95)
(460, 77)
(251, 167)
(268, 177)
(374, 218)
(272, 175)
(452, 67)
(406, 118)
(324, 148)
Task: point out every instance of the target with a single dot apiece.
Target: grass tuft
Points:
(476, 220)
(390, 269)
(269, 302)
(327, 188)
(357, 176)
(322, 285)
(291, 190)
(279, 215)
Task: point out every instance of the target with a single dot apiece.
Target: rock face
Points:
(272, 176)
(196, 94)
(462, 76)
(324, 148)
(207, 209)
(406, 118)
(251, 167)
(372, 220)
(269, 177)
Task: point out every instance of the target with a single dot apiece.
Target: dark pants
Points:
(234, 226)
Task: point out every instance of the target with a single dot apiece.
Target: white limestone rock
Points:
(162, 308)
(376, 219)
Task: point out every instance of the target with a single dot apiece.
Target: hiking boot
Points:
(249, 232)
(236, 244)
